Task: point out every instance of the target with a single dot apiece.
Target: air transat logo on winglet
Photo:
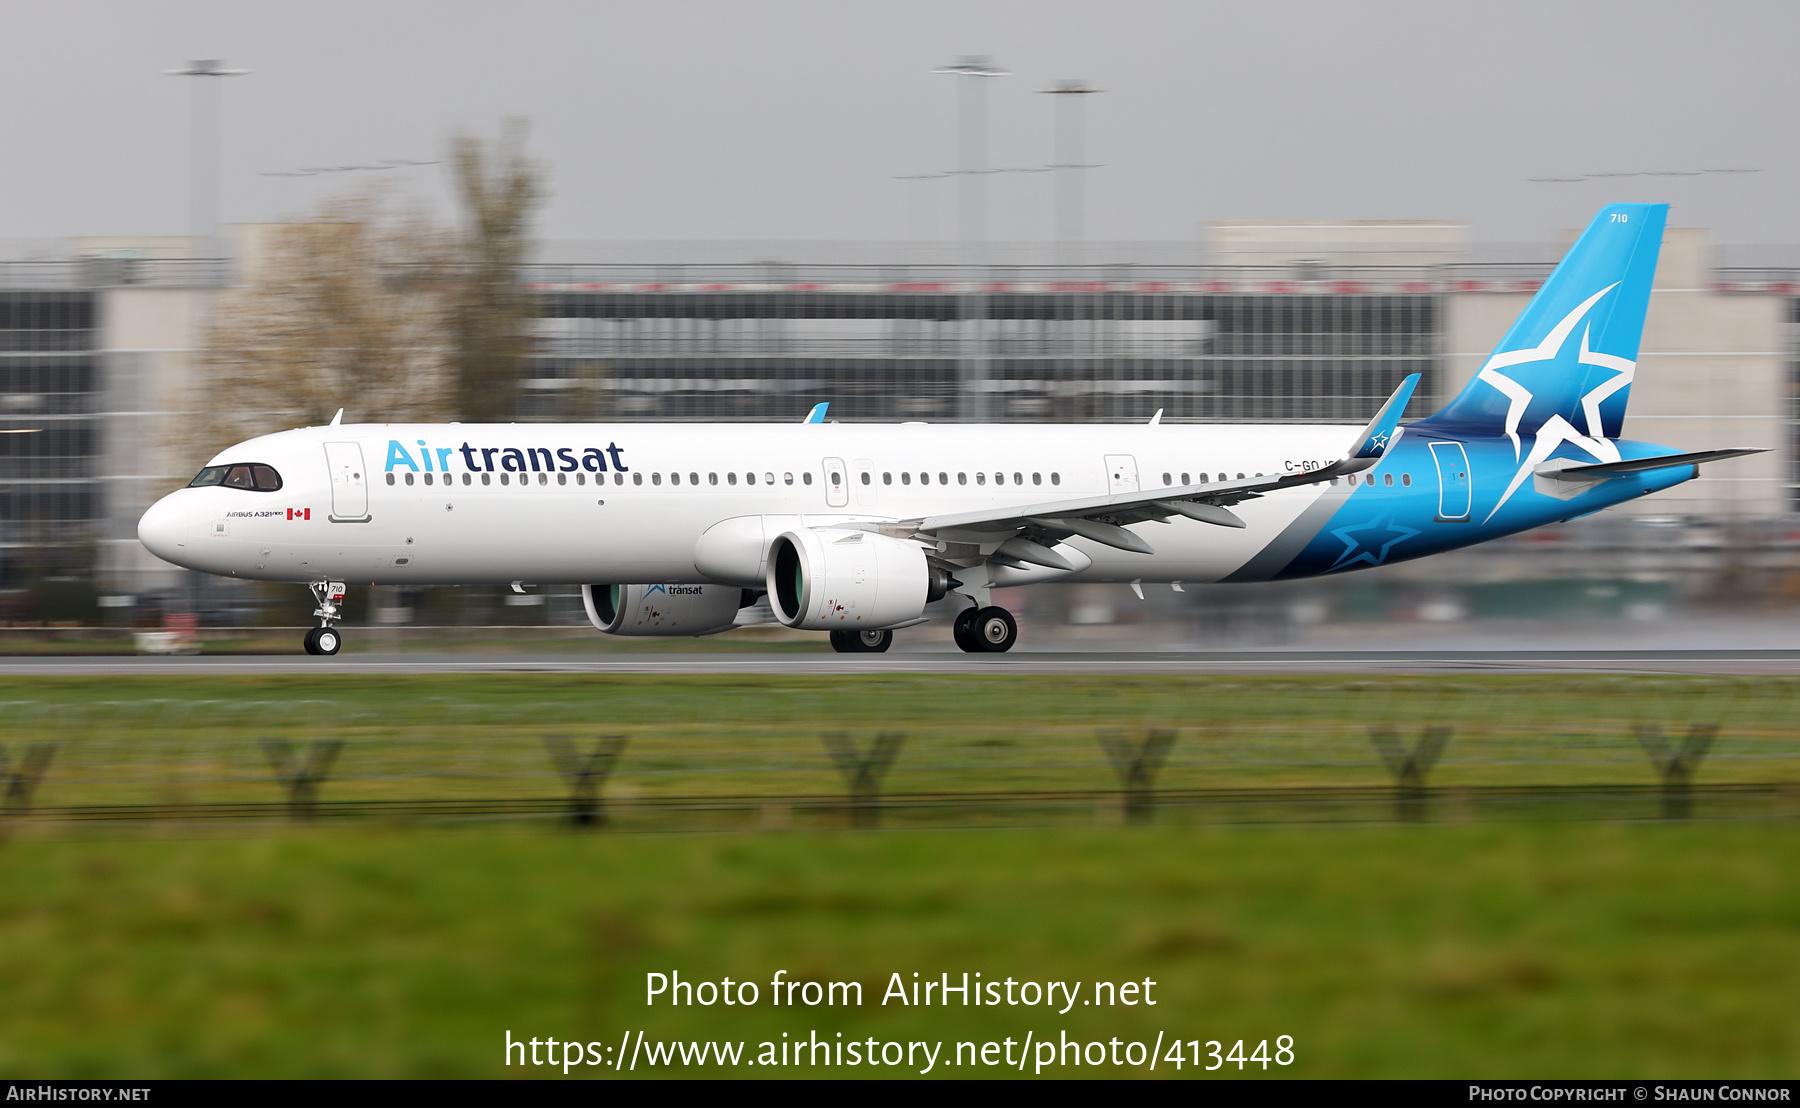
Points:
(1553, 430)
(509, 459)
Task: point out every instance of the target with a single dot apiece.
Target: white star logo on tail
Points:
(1557, 430)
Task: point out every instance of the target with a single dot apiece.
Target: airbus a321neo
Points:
(685, 529)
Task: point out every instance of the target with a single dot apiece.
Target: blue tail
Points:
(1571, 355)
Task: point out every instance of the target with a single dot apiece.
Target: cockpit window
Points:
(257, 477)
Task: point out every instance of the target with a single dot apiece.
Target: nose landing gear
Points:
(325, 639)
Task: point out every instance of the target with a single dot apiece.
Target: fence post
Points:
(863, 771)
(301, 777)
(1137, 767)
(22, 782)
(1410, 767)
(585, 774)
(1676, 765)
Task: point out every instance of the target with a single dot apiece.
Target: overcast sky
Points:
(793, 120)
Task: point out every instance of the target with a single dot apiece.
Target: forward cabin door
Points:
(1453, 481)
(349, 483)
(1123, 468)
(837, 483)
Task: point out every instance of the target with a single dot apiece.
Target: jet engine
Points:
(663, 609)
(838, 579)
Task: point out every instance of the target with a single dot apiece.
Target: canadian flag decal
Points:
(299, 513)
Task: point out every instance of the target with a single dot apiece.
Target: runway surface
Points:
(1116, 663)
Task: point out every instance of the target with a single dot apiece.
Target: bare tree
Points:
(342, 309)
(499, 188)
(368, 304)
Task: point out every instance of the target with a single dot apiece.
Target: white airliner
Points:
(684, 529)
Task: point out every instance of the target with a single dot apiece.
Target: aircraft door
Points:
(1453, 481)
(837, 483)
(1123, 468)
(349, 484)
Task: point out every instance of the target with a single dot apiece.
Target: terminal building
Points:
(1292, 322)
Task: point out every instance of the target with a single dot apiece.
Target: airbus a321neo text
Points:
(691, 529)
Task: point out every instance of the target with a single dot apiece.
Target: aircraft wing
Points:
(1104, 518)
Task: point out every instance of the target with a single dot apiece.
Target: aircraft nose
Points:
(163, 530)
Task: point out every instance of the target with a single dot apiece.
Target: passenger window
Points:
(943, 478)
(486, 479)
(580, 478)
(769, 479)
(543, 478)
(390, 478)
(887, 478)
(505, 479)
(962, 478)
(636, 478)
(1018, 479)
(999, 478)
(1240, 477)
(1037, 478)
(618, 478)
(1056, 478)
(788, 478)
(409, 478)
(749, 478)
(1168, 479)
(806, 477)
(656, 478)
(1406, 479)
(906, 477)
(562, 478)
(428, 478)
(674, 478)
(731, 478)
(1184, 479)
(836, 479)
(865, 478)
(712, 478)
(694, 479)
(1388, 480)
(981, 478)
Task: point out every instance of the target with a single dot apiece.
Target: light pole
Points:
(972, 72)
(1071, 166)
(203, 173)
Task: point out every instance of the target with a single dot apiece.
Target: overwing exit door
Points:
(1453, 481)
(349, 484)
(1123, 468)
(837, 483)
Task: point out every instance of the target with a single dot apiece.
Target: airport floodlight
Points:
(972, 167)
(974, 65)
(1071, 166)
(203, 179)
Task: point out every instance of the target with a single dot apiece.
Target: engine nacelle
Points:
(838, 579)
(662, 609)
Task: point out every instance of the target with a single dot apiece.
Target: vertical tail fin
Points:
(1573, 351)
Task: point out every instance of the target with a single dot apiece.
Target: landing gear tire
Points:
(994, 630)
(963, 631)
(861, 642)
(323, 640)
(311, 641)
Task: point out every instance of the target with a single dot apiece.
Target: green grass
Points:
(1497, 950)
(368, 949)
(163, 740)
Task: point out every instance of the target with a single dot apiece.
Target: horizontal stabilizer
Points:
(1600, 471)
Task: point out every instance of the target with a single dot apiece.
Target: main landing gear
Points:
(861, 642)
(989, 630)
(325, 639)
